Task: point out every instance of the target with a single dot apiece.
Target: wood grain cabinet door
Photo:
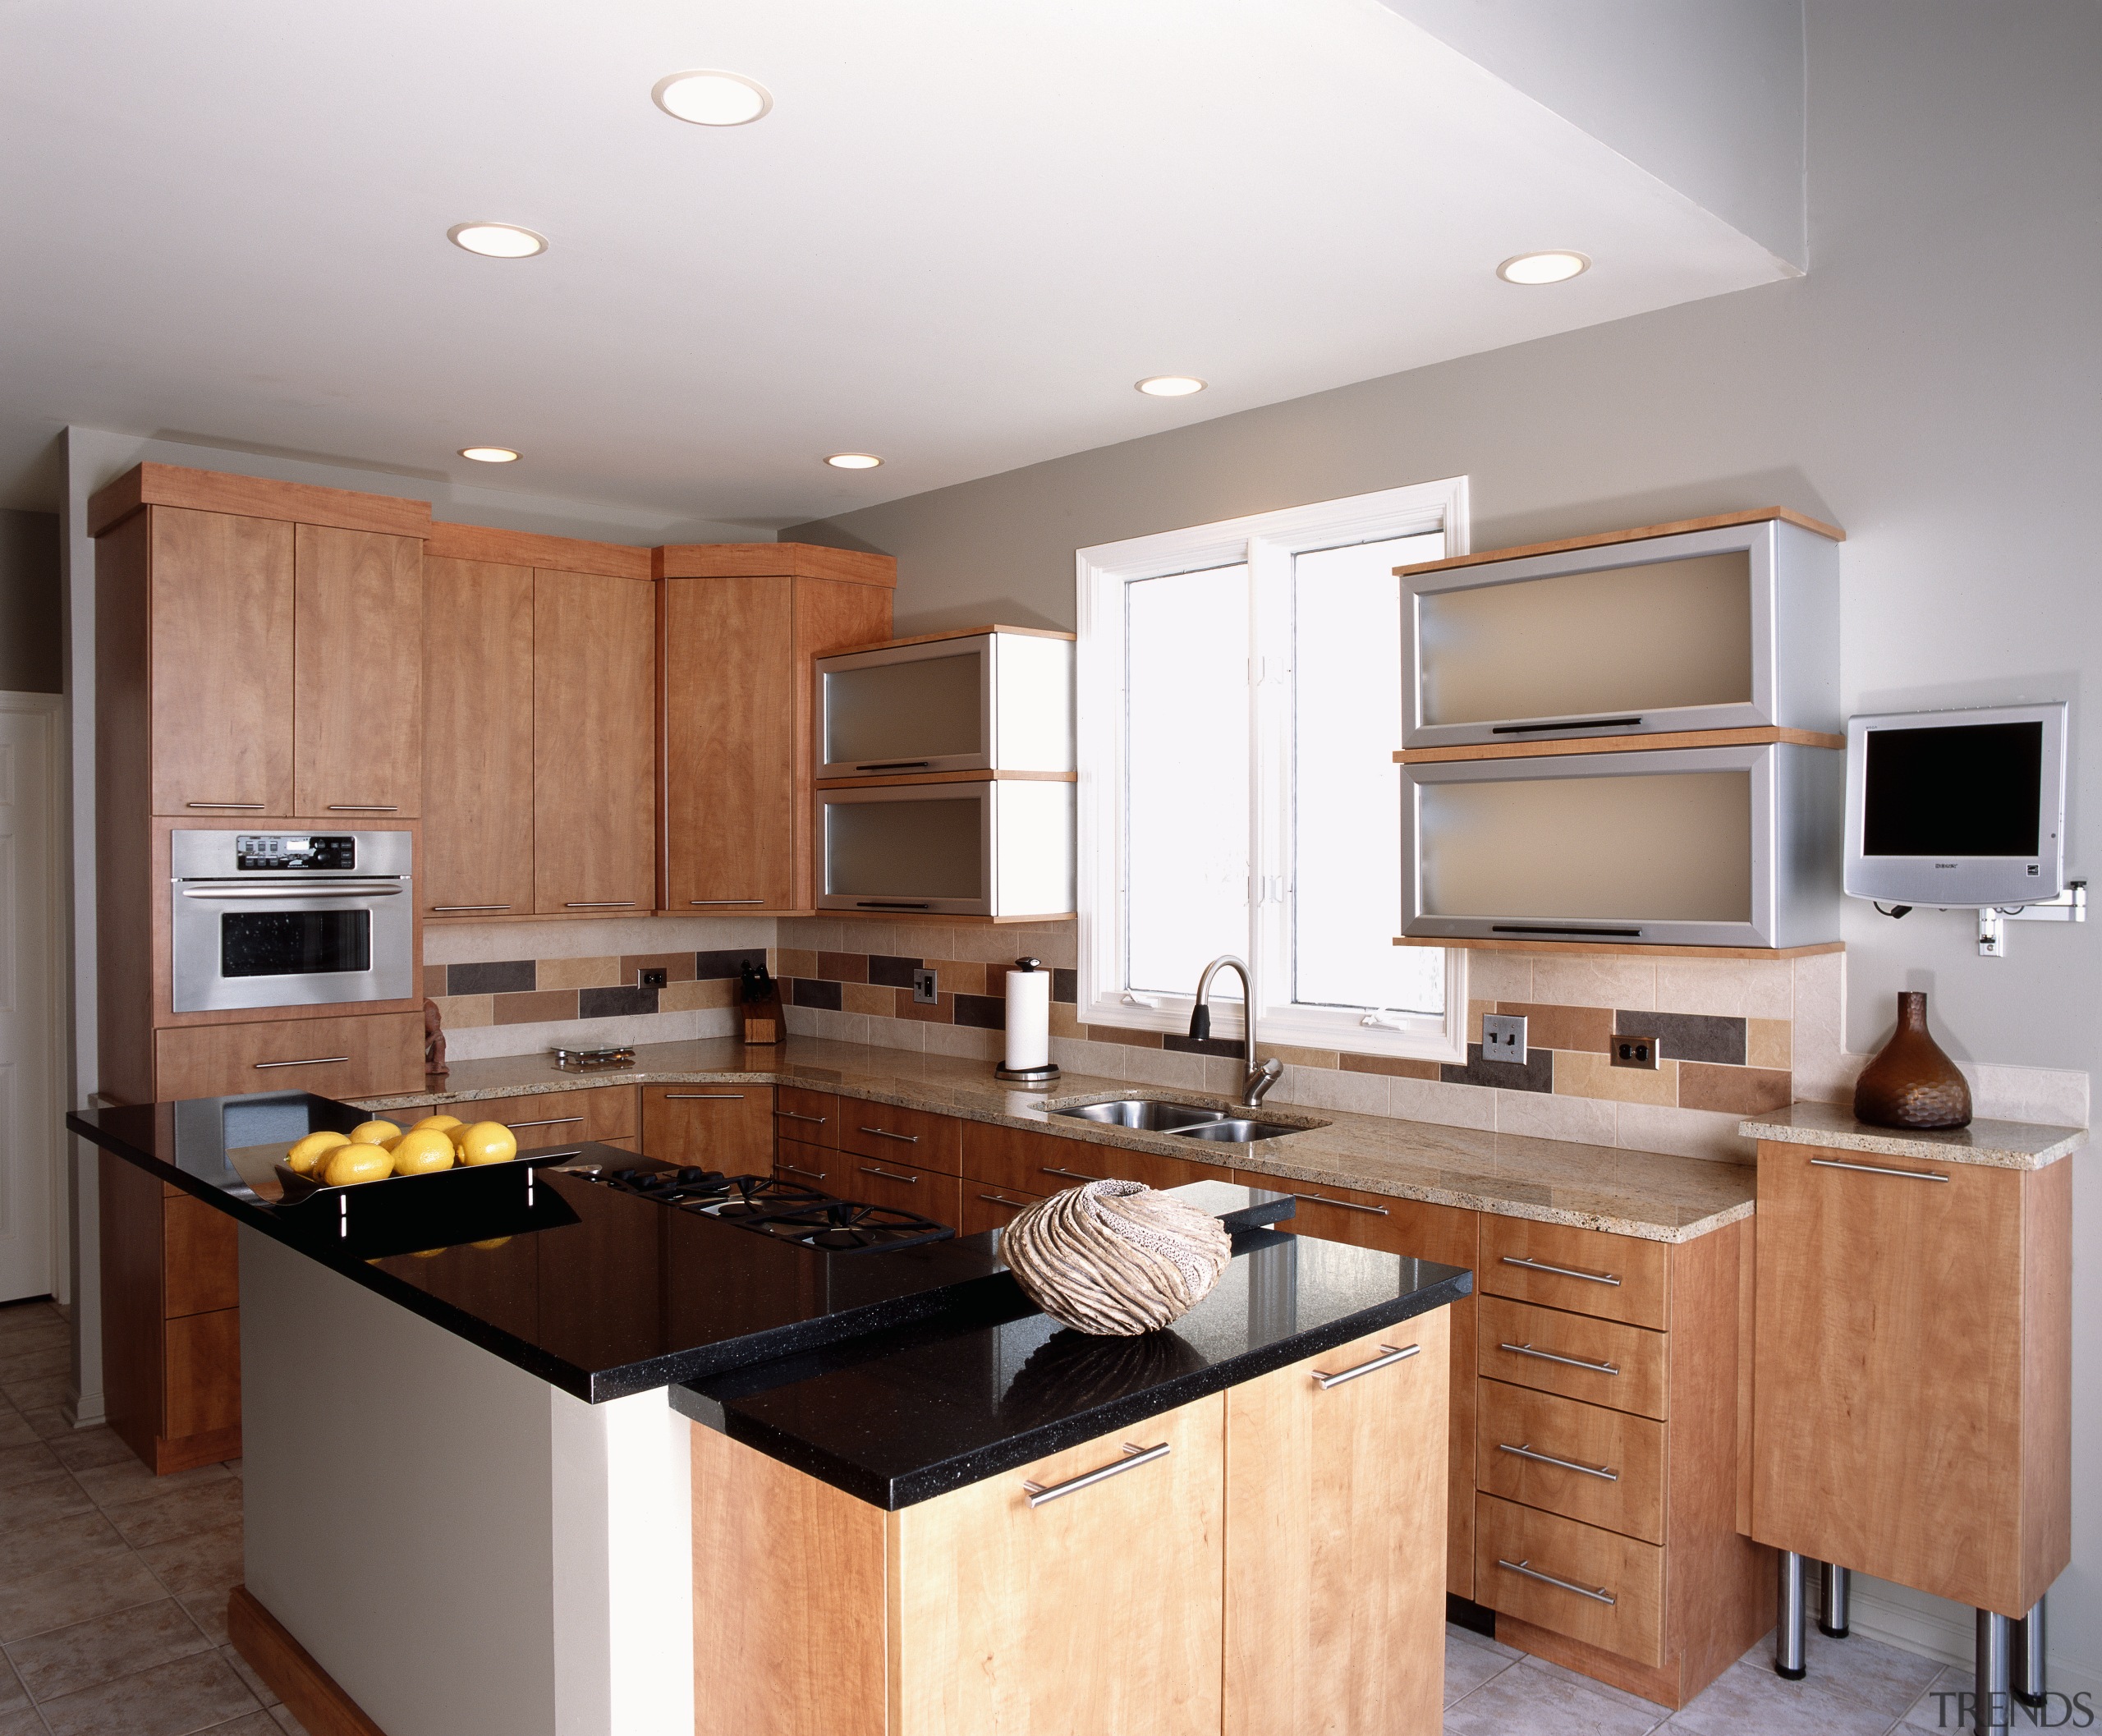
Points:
(593, 744)
(1097, 1610)
(728, 1128)
(1335, 1538)
(357, 688)
(364, 1054)
(222, 661)
(730, 743)
(478, 740)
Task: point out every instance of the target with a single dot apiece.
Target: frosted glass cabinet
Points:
(1000, 848)
(1733, 847)
(984, 699)
(1736, 625)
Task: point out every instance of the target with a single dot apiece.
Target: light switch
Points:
(1504, 1038)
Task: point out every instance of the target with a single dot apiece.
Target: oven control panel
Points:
(295, 851)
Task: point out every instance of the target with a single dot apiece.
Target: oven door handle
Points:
(310, 890)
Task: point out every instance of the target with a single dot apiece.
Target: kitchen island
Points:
(538, 1453)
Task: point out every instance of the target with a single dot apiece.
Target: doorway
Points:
(30, 998)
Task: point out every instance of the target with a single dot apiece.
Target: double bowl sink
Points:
(1184, 1120)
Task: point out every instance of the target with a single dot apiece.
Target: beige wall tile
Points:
(1087, 1060)
(909, 1035)
(1644, 1127)
(1475, 1008)
(1766, 1042)
(687, 997)
(459, 1011)
(1582, 980)
(2057, 1097)
(1357, 1094)
(1499, 976)
(1168, 1068)
(1447, 1105)
(861, 996)
(1729, 988)
(1580, 1073)
(601, 972)
(1553, 1115)
(1326, 1058)
(988, 943)
(1823, 1071)
(965, 1041)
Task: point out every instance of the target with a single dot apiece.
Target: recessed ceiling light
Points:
(711, 99)
(490, 454)
(853, 461)
(1171, 385)
(497, 240)
(1556, 267)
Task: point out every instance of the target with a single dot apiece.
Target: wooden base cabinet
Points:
(1275, 1570)
(728, 1128)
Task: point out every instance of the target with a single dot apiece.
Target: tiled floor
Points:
(1856, 1688)
(113, 1583)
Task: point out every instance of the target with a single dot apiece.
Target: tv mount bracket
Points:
(2070, 906)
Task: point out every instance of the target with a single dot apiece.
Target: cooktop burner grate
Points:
(849, 1227)
(786, 1211)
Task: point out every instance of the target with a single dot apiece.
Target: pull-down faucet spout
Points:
(1257, 1083)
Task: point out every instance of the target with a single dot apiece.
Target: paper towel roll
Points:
(1029, 1017)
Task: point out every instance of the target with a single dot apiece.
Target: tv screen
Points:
(1954, 791)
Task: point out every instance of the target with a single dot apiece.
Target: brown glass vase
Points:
(1912, 1083)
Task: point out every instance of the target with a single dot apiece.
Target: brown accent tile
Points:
(1395, 1067)
(793, 960)
(843, 967)
(192, 1693)
(1736, 1091)
(965, 977)
(603, 972)
(690, 996)
(676, 966)
(433, 981)
(531, 1009)
(1581, 1072)
(465, 1011)
(1563, 1027)
(1768, 1042)
(1326, 1059)
(941, 1011)
(1065, 1021)
(861, 996)
(1475, 1008)
(105, 1646)
(1119, 1033)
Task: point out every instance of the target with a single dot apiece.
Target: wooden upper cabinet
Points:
(221, 600)
(478, 739)
(358, 674)
(593, 743)
(730, 742)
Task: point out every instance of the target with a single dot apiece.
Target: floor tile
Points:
(1635, 1701)
(1471, 1660)
(1531, 1702)
(163, 1514)
(173, 1699)
(36, 1391)
(12, 1693)
(36, 1601)
(200, 1571)
(20, 1363)
(80, 1448)
(48, 1422)
(246, 1671)
(50, 1496)
(127, 1479)
(23, 1721)
(106, 1647)
(55, 1542)
(1856, 1687)
(256, 1724)
(15, 1430)
(27, 1462)
(286, 1722)
(1940, 1716)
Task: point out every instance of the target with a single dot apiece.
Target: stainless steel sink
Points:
(1236, 1132)
(1146, 1113)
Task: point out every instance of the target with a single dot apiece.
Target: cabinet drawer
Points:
(200, 1265)
(1592, 1585)
(814, 1166)
(1013, 1159)
(883, 1181)
(551, 1118)
(809, 1117)
(728, 1128)
(913, 1137)
(1577, 1355)
(990, 1208)
(360, 1056)
(1586, 1271)
(1612, 1473)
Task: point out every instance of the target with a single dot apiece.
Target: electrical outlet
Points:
(925, 990)
(1504, 1038)
(1636, 1051)
(651, 976)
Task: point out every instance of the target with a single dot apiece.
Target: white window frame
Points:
(1268, 542)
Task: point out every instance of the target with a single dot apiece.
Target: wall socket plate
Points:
(1504, 1038)
(651, 976)
(926, 989)
(1642, 1052)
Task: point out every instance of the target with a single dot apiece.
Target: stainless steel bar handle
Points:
(1599, 1594)
(247, 807)
(1387, 1357)
(1134, 1457)
(310, 1061)
(1548, 1356)
(220, 889)
(448, 910)
(554, 1121)
(1322, 1199)
(1605, 1473)
(726, 900)
(889, 1175)
(893, 765)
(365, 807)
(816, 1175)
(815, 1121)
(903, 1139)
(1561, 1271)
(704, 1096)
(1001, 1199)
(1910, 1175)
(1071, 1175)
(598, 904)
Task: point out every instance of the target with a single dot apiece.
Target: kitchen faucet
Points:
(1256, 1086)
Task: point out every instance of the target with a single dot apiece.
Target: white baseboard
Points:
(1931, 1626)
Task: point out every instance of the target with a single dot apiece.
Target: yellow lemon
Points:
(487, 1142)
(420, 1151)
(493, 1241)
(427, 1253)
(442, 1124)
(356, 1163)
(373, 1133)
(302, 1157)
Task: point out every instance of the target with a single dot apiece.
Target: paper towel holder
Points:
(1046, 1074)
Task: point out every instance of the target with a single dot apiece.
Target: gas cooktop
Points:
(782, 1211)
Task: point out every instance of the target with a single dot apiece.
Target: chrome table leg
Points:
(1790, 1640)
(2026, 1667)
(1992, 1705)
(1835, 1587)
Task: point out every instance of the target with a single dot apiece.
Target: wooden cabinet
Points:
(593, 751)
(1576, 1581)
(981, 1208)
(1912, 1417)
(1015, 1159)
(1603, 1466)
(1599, 1362)
(357, 1055)
(901, 1186)
(812, 1166)
(604, 1112)
(357, 673)
(728, 1128)
(478, 739)
(741, 623)
(809, 1117)
(1587, 1271)
(883, 1133)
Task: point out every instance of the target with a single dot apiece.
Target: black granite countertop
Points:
(598, 1291)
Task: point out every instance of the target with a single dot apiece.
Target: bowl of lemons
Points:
(379, 1151)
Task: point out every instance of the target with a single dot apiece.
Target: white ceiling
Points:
(967, 227)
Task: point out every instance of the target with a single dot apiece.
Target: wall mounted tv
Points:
(1958, 807)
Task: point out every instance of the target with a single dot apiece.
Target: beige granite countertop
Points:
(1998, 1145)
(1647, 1194)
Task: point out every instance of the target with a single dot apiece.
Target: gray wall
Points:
(30, 658)
(1931, 385)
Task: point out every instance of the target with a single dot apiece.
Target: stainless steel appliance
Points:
(290, 919)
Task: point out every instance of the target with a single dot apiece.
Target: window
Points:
(1240, 697)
